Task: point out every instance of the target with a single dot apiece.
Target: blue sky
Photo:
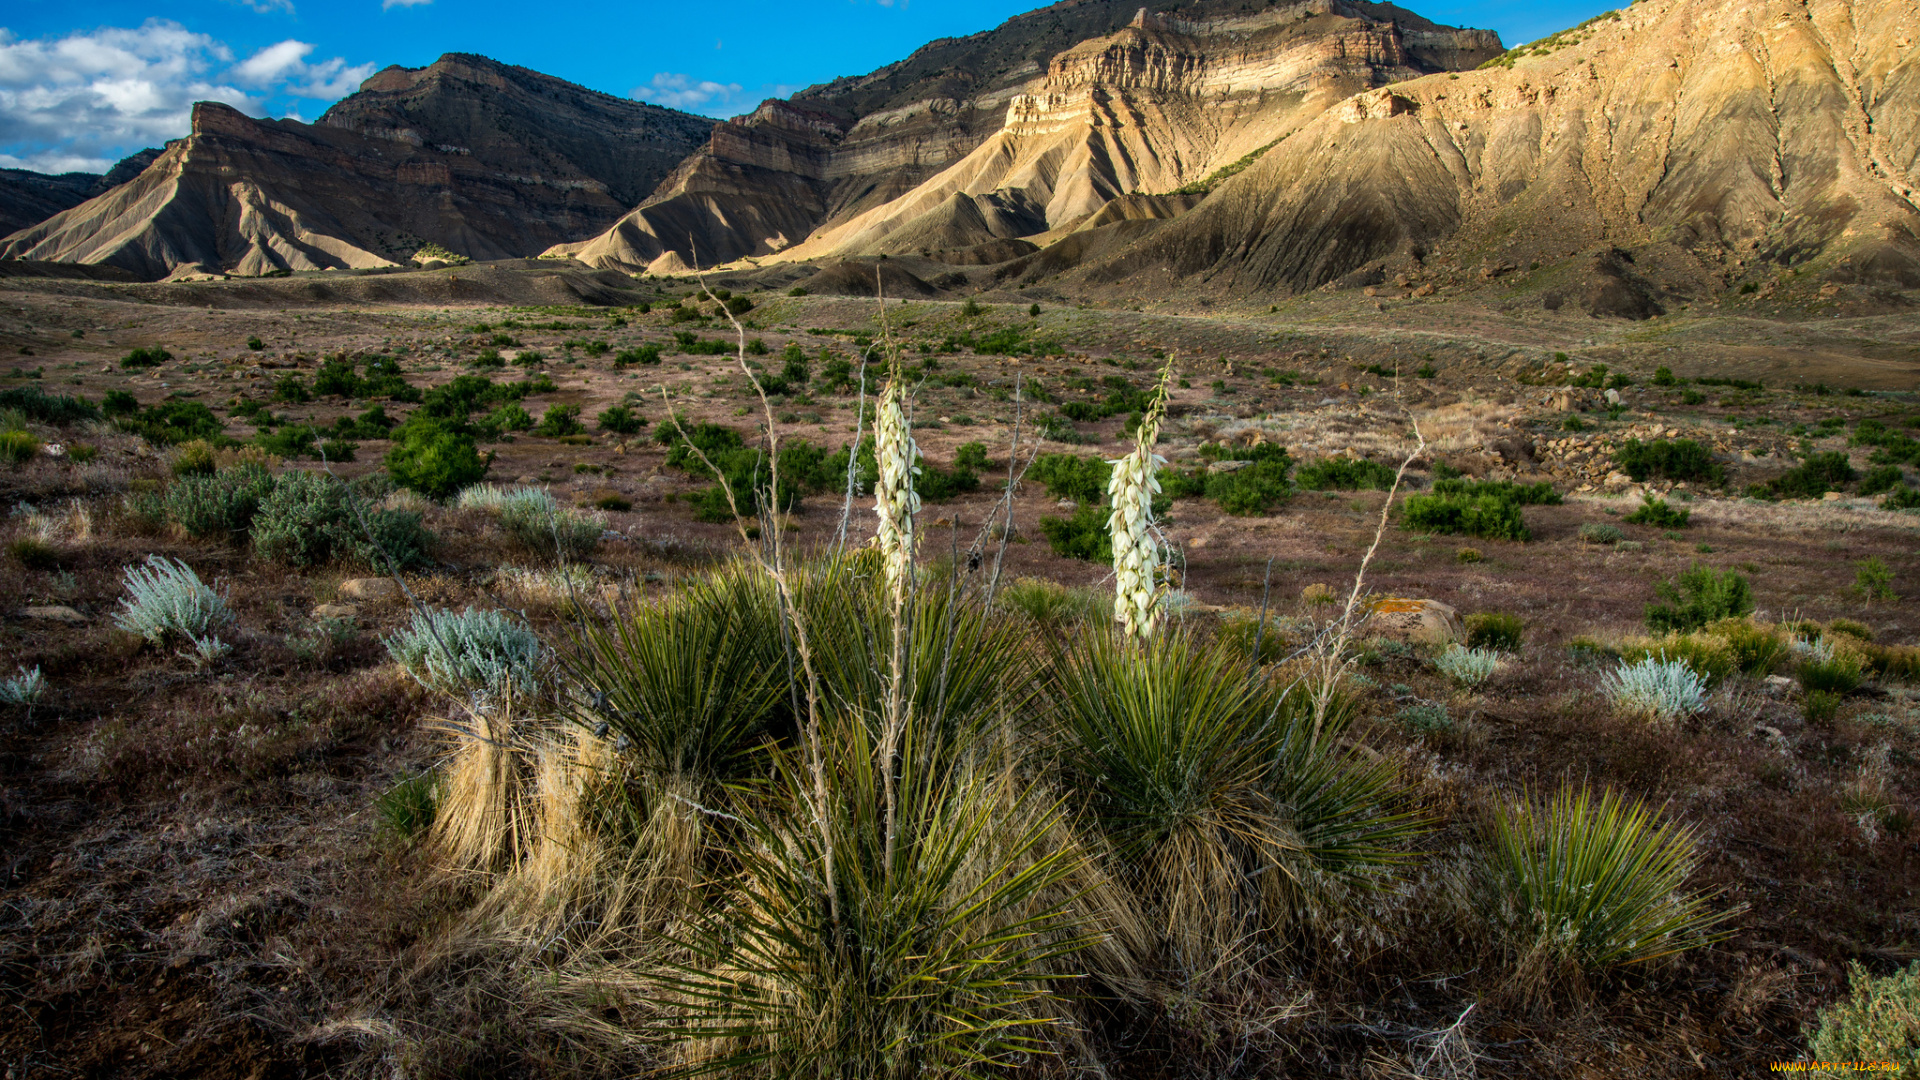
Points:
(85, 83)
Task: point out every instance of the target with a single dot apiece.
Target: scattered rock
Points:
(59, 613)
(1227, 466)
(1417, 620)
(368, 588)
(336, 611)
(1777, 685)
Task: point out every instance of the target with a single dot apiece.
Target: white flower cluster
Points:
(896, 503)
(1136, 555)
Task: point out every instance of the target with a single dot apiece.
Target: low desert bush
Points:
(1757, 647)
(166, 599)
(469, 652)
(60, 410)
(1599, 532)
(1660, 515)
(1662, 690)
(310, 519)
(1593, 884)
(1497, 630)
(1824, 667)
(1707, 655)
(25, 688)
(1465, 666)
(559, 420)
(434, 460)
(18, 447)
(1050, 604)
(1425, 719)
(1873, 579)
(1819, 707)
(219, 505)
(1879, 1020)
(1699, 596)
(620, 420)
(1668, 459)
(1344, 474)
(1486, 515)
(1813, 477)
(551, 531)
(1084, 535)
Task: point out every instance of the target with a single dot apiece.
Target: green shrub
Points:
(1082, 536)
(1831, 671)
(311, 518)
(1813, 477)
(645, 354)
(1072, 476)
(1660, 515)
(35, 404)
(1901, 498)
(1489, 516)
(617, 503)
(195, 458)
(1757, 648)
(1699, 596)
(119, 403)
(176, 421)
(1882, 479)
(1344, 474)
(1879, 1020)
(146, 357)
(1597, 883)
(292, 441)
(1495, 630)
(291, 389)
(254, 343)
(468, 652)
(1541, 494)
(337, 450)
(509, 417)
(560, 420)
(433, 460)
(1425, 719)
(1873, 579)
(1819, 707)
(620, 420)
(18, 447)
(166, 599)
(972, 456)
(221, 504)
(1668, 459)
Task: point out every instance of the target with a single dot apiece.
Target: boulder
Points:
(59, 613)
(336, 611)
(368, 588)
(1428, 621)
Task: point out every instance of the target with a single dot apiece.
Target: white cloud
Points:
(677, 91)
(267, 7)
(286, 63)
(273, 61)
(87, 99)
(386, 4)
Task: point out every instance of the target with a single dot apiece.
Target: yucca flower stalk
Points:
(895, 501)
(1136, 554)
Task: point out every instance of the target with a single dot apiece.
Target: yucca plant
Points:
(961, 661)
(1234, 814)
(687, 686)
(857, 950)
(1050, 605)
(167, 599)
(1594, 882)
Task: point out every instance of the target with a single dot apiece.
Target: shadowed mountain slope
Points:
(484, 159)
(28, 198)
(1016, 130)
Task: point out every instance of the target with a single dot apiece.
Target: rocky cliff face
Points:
(27, 198)
(487, 160)
(1711, 142)
(1152, 99)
